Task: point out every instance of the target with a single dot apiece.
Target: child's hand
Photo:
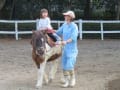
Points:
(50, 31)
(54, 31)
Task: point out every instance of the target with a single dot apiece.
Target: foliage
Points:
(85, 9)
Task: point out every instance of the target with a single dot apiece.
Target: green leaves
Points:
(85, 9)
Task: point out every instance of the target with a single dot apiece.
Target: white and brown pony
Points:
(42, 52)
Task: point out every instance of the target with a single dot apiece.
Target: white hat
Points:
(70, 13)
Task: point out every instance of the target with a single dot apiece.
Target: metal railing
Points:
(80, 23)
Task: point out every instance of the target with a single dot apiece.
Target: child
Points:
(45, 24)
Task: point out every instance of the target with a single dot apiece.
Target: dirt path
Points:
(97, 68)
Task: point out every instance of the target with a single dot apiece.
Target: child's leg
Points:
(57, 37)
(52, 36)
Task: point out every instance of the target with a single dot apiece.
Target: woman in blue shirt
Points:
(69, 33)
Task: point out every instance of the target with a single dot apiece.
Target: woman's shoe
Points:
(72, 82)
(66, 83)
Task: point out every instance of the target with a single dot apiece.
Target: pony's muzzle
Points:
(40, 51)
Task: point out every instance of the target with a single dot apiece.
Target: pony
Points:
(43, 51)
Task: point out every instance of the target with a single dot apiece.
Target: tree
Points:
(2, 3)
(85, 9)
(118, 10)
(113, 7)
(12, 12)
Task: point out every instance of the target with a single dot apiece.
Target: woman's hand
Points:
(61, 43)
(67, 41)
(64, 42)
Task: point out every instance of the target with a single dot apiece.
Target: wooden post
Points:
(102, 33)
(80, 29)
(16, 30)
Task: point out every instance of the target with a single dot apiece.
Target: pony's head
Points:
(38, 42)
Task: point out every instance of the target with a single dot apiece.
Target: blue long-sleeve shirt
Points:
(69, 31)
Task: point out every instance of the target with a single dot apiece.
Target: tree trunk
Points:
(30, 10)
(118, 11)
(2, 3)
(87, 11)
(12, 13)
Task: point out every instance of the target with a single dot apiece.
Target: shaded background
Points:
(84, 9)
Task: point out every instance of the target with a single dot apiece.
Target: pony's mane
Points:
(38, 34)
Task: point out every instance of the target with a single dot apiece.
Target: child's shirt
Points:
(44, 23)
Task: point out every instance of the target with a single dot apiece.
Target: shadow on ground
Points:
(114, 84)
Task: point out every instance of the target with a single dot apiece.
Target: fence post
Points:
(16, 30)
(58, 24)
(80, 29)
(37, 24)
(102, 33)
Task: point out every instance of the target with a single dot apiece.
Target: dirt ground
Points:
(97, 67)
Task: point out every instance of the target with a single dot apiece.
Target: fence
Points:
(80, 23)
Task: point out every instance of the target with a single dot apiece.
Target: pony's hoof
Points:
(46, 83)
(38, 86)
(50, 80)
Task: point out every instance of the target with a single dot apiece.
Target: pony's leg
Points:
(42, 69)
(62, 80)
(46, 78)
(41, 74)
(53, 70)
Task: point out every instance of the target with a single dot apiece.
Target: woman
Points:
(69, 33)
